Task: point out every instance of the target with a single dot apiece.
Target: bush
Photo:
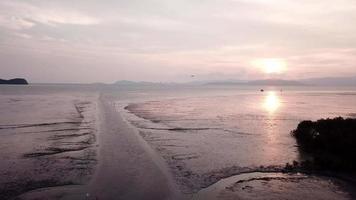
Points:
(331, 142)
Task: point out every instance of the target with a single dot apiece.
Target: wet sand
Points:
(275, 186)
(127, 167)
(46, 141)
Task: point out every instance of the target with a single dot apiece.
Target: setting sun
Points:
(271, 65)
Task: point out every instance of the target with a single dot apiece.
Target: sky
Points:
(85, 41)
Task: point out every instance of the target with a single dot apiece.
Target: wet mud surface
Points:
(47, 141)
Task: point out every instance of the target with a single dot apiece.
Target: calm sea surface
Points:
(204, 133)
(212, 132)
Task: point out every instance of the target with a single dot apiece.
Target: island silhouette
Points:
(15, 81)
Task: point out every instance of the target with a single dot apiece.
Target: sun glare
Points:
(272, 65)
(271, 102)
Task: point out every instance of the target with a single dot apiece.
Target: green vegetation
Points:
(330, 142)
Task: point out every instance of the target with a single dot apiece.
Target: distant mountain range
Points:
(331, 81)
(133, 83)
(324, 81)
(276, 82)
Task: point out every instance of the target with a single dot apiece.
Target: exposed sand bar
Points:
(128, 168)
(275, 186)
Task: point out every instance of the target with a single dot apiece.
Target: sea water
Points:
(205, 133)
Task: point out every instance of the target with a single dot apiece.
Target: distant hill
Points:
(266, 82)
(134, 83)
(227, 82)
(331, 81)
(276, 82)
(15, 81)
(324, 81)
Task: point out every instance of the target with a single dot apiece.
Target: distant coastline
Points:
(323, 81)
(15, 81)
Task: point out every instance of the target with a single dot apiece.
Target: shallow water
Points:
(208, 137)
(205, 134)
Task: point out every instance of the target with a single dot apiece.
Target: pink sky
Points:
(157, 40)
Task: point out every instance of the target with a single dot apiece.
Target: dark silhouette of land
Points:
(330, 142)
(15, 81)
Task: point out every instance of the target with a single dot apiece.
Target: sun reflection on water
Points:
(271, 102)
